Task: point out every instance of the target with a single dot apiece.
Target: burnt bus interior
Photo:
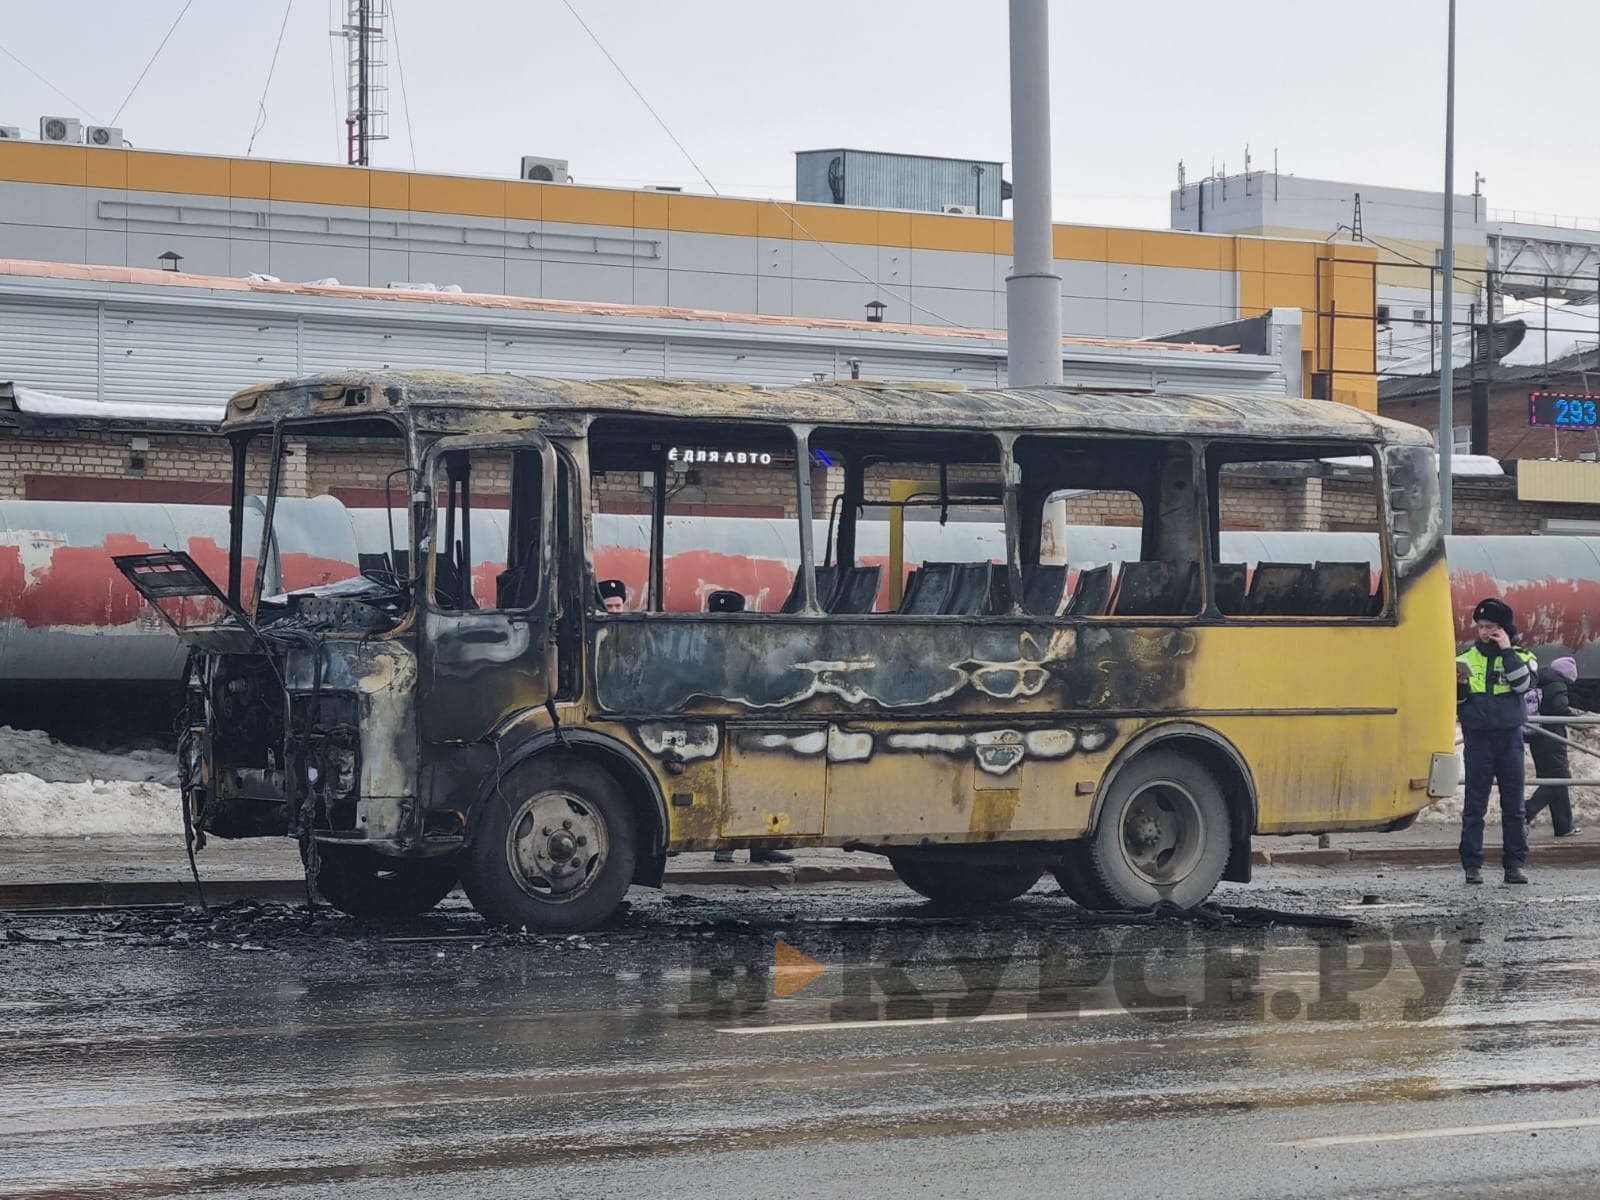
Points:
(1174, 491)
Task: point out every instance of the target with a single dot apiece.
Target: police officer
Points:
(1491, 677)
(613, 595)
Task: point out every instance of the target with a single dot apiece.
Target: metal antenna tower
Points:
(366, 77)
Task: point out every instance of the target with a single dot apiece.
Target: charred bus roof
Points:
(447, 400)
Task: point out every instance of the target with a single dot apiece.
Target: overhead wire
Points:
(170, 31)
(333, 78)
(261, 105)
(400, 70)
(682, 149)
(81, 107)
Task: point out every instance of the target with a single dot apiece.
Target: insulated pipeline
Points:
(68, 617)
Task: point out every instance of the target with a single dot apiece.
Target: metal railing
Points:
(1514, 216)
(1574, 719)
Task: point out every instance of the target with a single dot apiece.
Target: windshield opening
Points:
(321, 513)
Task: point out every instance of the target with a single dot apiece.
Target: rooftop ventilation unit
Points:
(60, 129)
(962, 210)
(10, 133)
(103, 135)
(544, 170)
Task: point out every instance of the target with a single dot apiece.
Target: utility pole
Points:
(1033, 289)
(1447, 420)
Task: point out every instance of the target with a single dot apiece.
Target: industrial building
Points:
(509, 237)
(1504, 260)
(136, 279)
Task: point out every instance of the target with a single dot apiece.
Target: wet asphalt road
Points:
(1448, 1045)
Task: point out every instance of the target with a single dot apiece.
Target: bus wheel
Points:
(553, 849)
(1078, 881)
(1163, 834)
(364, 883)
(964, 885)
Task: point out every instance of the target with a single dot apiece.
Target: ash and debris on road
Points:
(1330, 906)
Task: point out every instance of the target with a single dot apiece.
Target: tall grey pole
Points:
(1033, 289)
(1447, 416)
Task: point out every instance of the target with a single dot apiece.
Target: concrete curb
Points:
(129, 893)
(1419, 856)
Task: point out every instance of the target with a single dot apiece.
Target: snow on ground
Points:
(50, 789)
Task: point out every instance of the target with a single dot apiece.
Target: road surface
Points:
(832, 1041)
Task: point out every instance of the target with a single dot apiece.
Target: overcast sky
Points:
(1350, 90)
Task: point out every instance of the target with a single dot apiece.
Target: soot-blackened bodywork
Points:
(803, 727)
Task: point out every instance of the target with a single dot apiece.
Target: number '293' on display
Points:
(1563, 411)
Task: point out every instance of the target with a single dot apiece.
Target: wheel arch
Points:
(617, 760)
(1218, 755)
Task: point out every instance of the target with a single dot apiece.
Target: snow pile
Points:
(34, 752)
(50, 789)
(32, 807)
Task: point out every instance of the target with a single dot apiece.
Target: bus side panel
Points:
(1313, 708)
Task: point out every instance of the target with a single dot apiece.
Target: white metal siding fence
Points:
(92, 340)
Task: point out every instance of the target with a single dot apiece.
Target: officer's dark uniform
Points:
(1491, 711)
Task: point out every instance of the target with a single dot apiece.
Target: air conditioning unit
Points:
(10, 133)
(60, 129)
(102, 135)
(960, 210)
(544, 170)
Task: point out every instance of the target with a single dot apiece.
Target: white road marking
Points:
(909, 1022)
(1417, 1135)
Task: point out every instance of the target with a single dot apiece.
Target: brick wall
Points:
(1510, 435)
(1490, 506)
(105, 467)
(1104, 508)
(358, 474)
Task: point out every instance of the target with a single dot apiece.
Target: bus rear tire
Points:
(1079, 883)
(1163, 835)
(964, 885)
(360, 881)
(552, 850)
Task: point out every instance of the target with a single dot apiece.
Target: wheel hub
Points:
(555, 845)
(1161, 833)
(1146, 831)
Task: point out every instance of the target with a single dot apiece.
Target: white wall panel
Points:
(53, 347)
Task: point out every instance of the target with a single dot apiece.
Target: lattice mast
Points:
(366, 77)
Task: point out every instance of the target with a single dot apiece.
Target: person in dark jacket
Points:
(1491, 677)
(1549, 755)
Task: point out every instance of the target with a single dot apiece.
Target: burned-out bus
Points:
(466, 707)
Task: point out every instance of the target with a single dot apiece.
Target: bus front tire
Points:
(964, 885)
(364, 883)
(552, 850)
(1163, 835)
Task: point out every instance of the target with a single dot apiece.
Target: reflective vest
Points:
(1478, 682)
